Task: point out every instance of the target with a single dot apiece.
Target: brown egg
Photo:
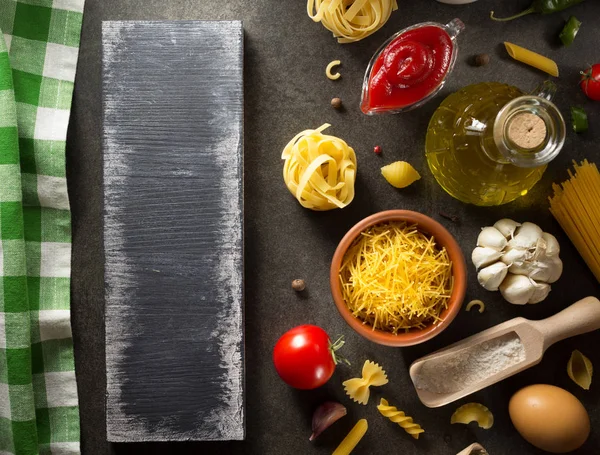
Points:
(550, 418)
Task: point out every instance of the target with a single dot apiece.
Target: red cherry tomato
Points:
(590, 82)
(303, 357)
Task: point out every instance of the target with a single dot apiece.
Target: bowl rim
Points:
(459, 271)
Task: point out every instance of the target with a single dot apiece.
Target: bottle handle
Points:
(454, 27)
(546, 89)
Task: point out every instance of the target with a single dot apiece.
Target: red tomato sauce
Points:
(409, 68)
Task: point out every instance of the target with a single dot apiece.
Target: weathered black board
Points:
(173, 214)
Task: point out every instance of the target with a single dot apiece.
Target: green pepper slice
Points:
(579, 119)
(570, 30)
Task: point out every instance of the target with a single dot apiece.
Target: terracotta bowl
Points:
(443, 239)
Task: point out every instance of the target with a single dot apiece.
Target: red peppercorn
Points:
(377, 150)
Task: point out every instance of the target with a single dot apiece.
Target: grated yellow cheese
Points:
(395, 278)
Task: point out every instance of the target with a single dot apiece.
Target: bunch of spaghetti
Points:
(351, 20)
(576, 206)
(395, 278)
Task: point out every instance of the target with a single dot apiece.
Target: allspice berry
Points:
(481, 59)
(298, 285)
(336, 103)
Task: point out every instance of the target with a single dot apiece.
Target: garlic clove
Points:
(540, 292)
(507, 227)
(556, 269)
(527, 236)
(517, 289)
(521, 268)
(483, 256)
(552, 246)
(540, 249)
(541, 271)
(325, 415)
(515, 255)
(491, 276)
(491, 237)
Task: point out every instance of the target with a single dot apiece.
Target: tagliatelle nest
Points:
(319, 170)
(351, 20)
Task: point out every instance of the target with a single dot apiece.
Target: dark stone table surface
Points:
(286, 92)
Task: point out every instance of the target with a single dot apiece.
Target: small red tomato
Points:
(590, 82)
(304, 357)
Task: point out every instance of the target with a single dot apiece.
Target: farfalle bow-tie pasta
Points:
(358, 388)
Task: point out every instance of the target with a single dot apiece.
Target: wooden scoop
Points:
(473, 449)
(536, 336)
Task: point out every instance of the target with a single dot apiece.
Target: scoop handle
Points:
(581, 317)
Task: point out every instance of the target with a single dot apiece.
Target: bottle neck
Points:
(529, 131)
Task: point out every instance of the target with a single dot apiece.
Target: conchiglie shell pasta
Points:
(400, 174)
(580, 370)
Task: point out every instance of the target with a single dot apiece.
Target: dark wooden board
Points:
(173, 215)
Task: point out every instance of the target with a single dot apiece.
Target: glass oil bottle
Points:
(490, 143)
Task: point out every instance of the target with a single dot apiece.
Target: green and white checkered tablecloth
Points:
(39, 44)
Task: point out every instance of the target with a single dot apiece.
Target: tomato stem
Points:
(334, 347)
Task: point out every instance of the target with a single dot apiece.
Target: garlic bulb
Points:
(518, 259)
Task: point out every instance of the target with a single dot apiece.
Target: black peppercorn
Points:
(481, 59)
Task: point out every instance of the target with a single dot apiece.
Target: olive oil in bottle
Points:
(489, 143)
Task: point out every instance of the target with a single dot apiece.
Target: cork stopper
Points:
(527, 130)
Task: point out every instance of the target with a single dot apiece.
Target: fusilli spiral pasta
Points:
(406, 422)
(358, 388)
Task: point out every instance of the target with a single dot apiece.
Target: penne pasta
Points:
(532, 59)
(353, 438)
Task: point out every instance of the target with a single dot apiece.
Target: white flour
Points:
(470, 366)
